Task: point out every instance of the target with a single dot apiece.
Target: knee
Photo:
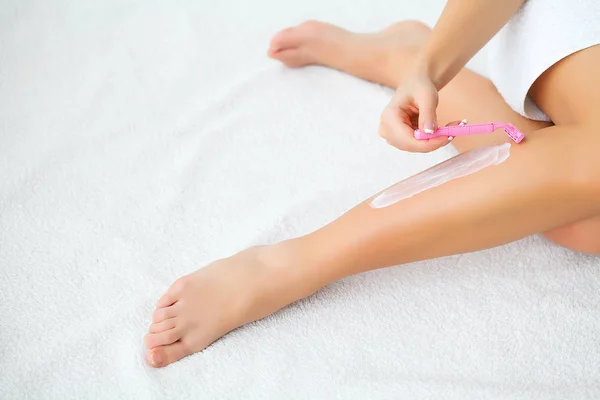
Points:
(580, 237)
(588, 166)
(414, 26)
(407, 37)
(586, 246)
(583, 236)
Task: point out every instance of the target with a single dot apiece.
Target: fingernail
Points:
(156, 359)
(429, 127)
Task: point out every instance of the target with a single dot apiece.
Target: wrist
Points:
(426, 68)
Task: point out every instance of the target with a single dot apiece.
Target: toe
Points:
(162, 326)
(292, 58)
(175, 291)
(165, 355)
(285, 39)
(166, 300)
(152, 340)
(161, 314)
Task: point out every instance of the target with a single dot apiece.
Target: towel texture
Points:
(140, 140)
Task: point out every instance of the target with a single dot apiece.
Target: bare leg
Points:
(378, 57)
(384, 56)
(456, 217)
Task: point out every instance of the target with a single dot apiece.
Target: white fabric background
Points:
(139, 140)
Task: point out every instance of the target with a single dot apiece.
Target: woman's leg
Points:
(383, 57)
(551, 179)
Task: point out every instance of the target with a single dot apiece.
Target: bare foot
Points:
(201, 307)
(371, 56)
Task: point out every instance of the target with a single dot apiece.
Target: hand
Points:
(413, 106)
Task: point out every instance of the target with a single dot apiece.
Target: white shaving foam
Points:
(454, 168)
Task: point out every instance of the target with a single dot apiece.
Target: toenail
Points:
(156, 359)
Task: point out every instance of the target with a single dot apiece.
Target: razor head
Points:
(513, 133)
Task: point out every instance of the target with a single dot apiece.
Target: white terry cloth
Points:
(539, 35)
(140, 140)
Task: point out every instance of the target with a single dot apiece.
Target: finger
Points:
(428, 145)
(403, 139)
(453, 123)
(427, 112)
(402, 136)
(396, 128)
(444, 141)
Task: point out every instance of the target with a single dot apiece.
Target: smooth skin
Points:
(550, 183)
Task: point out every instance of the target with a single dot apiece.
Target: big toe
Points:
(165, 355)
(293, 58)
(286, 39)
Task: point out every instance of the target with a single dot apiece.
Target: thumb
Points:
(427, 115)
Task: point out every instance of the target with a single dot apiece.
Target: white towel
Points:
(137, 142)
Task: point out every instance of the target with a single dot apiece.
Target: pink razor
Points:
(465, 129)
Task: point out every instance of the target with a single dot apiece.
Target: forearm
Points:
(549, 180)
(464, 27)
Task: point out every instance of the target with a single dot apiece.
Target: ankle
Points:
(295, 262)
